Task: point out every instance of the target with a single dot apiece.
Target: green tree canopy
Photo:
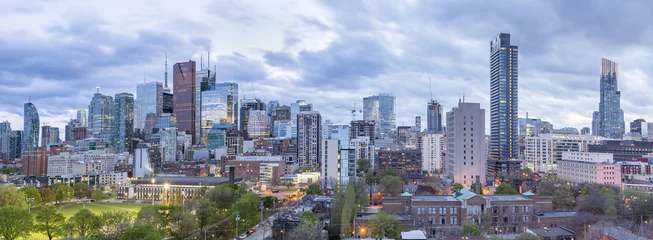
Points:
(561, 192)
(11, 196)
(62, 192)
(47, 196)
(349, 210)
(470, 229)
(505, 188)
(314, 189)
(383, 225)
(97, 195)
(50, 222)
(31, 192)
(84, 224)
(248, 208)
(456, 186)
(364, 165)
(14, 222)
(528, 236)
(307, 217)
(269, 201)
(142, 232)
(182, 224)
(204, 210)
(82, 190)
(391, 185)
(303, 169)
(309, 228)
(150, 215)
(115, 223)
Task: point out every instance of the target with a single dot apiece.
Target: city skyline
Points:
(297, 63)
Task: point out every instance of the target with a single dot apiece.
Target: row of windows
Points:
(442, 210)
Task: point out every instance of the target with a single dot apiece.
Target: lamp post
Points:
(29, 204)
(237, 220)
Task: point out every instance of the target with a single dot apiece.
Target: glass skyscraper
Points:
(434, 117)
(381, 109)
(213, 111)
(100, 117)
(230, 90)
(503, 99)
(610, 115)
(184, 97)
(31, 124)
(149, 99)
(124, 120)
(81, 117)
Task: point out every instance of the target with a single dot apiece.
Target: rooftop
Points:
(205, 181)
(514, 197)
(463, 194)
(552, 232)
(556, 214)
(413, 235)
(434, 198)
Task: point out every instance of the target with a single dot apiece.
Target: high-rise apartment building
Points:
(258, 125)
(100, 117)
(296, 108)
(282, 113)
(124, 121)
(309, 139)
(503, 98)
(434, 117)
(381, 109)
(466, 144)
(418, 124)
(610, 115)
(149, 99)
(542, 152)
(595, 123)
(433, 150)
(69, 129)
(81, 117)
(184, 97)
(45, 135)
(363, 128)
(246, 106)
(31, 124)
(636, 126)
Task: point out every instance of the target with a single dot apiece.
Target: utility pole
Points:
(237, 220)
(29, 204)
(261, 207)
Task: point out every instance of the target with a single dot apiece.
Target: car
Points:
(252, 231)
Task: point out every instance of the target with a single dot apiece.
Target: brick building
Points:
(405, 161)
(258, 168)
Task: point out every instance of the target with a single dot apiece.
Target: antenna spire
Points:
(97, 89)
(165, 88)
(463, 95)
(201, 61)
(430, 89)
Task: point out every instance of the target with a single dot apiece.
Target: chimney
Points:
(232, 174)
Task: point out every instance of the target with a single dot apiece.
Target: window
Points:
(432, 211)
(453, 210)
(453, 220)
(432, 221)
(443, 221)
(420, 211)
(526, 209)
(443, 211)
(515, 209)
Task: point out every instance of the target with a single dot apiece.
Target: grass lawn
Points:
(69, 209)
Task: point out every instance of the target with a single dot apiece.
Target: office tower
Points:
(309, 139)
(418, 124)
(168, 105)
(15, 145)
(45, 135)
(5, 127)
(31, 124)
(282, 129)
(282, 113)
(433, 150)
(124, 119)
(610, 115)
(272, 108)
(184, 97)
(258, 124)
(149, 99)
(466, 144)
(543, 152)
(402, 134)
(363, 128)
(100, 117)
(246, 106)
(69, 129)
(204, 81)
(80, 133)
(5, 135)
(636, 126)
(586, 131)
(81, 117)
(595, 123)
(381, 109)
(503, 99)
(230, 90)
(213, 111)
(533, 126)
(434, 117)
(54, 135)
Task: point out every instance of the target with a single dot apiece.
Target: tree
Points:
(269, 201)
(62, 192)
(528, 236)
(97, 195)
(309, 228)
(205, 209)
(392, 185)
(114, 224)
(307, 217)
(82, 190)
(11, 196)
(50, 222)
(222, 195)
(14, 222)
(364, 165)
(561, 192)
(470, 229)
(289, 185)
(456, 187)
(314, 189)
(47, 196)
(383, 225)
(505, 188)
(150, 215)
(336, 213)
(349, 210)
(248, 208)
(182, 224)
(142, 231)
(31, 192)
(84, 224)
(303, 169)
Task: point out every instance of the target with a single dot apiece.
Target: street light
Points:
(29, 204)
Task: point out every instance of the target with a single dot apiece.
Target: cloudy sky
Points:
(330, 53)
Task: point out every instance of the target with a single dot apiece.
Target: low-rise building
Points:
(155, 188)
(586, 167)
(258, 168)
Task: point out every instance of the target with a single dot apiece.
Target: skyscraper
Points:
(45, 135)
(124, 120)
(503, 99)
(69, 129)
(229, 90)
(246, 106)
(204, 81)
(309, 139)
(595, 123)
(418, 123)
(81, 117)
(184, 97)
(381, 109)
(100, 117)
(465, 144)
(149, 99)
(258, 124)
(610, 116)
(636, 126)
(31, 124)
(167, 106)
(295, 109)
(434, 117)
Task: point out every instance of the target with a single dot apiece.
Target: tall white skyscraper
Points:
(149, 99)
(81, 117)
(466, 144)
(432, 152)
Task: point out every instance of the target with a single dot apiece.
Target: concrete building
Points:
(543, 151)
(404, 161)
(257, 168)
(433, 152)
(309, 139)
(258, 124)
(585, 167)
(623, 150)
(466, 144)
(159, 188)
(330, 159)
(142, 163)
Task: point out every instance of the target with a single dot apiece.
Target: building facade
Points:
(623, 150)
(433, 152)
(124, 120)
(149, 99)
(258, 124)
(31, 125)
(434, 117)
(610, 115)
(101, 117)
(381, 109)
(404, 161)
(542, 152)
(584, 167)
(309, 139)
(465, 156)
(503, 98)
(184, 97)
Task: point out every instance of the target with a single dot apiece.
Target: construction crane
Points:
(353, 111)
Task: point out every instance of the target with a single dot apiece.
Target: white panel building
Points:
(542, 152)
(586, 167)
(433, 152)
(466, 144)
